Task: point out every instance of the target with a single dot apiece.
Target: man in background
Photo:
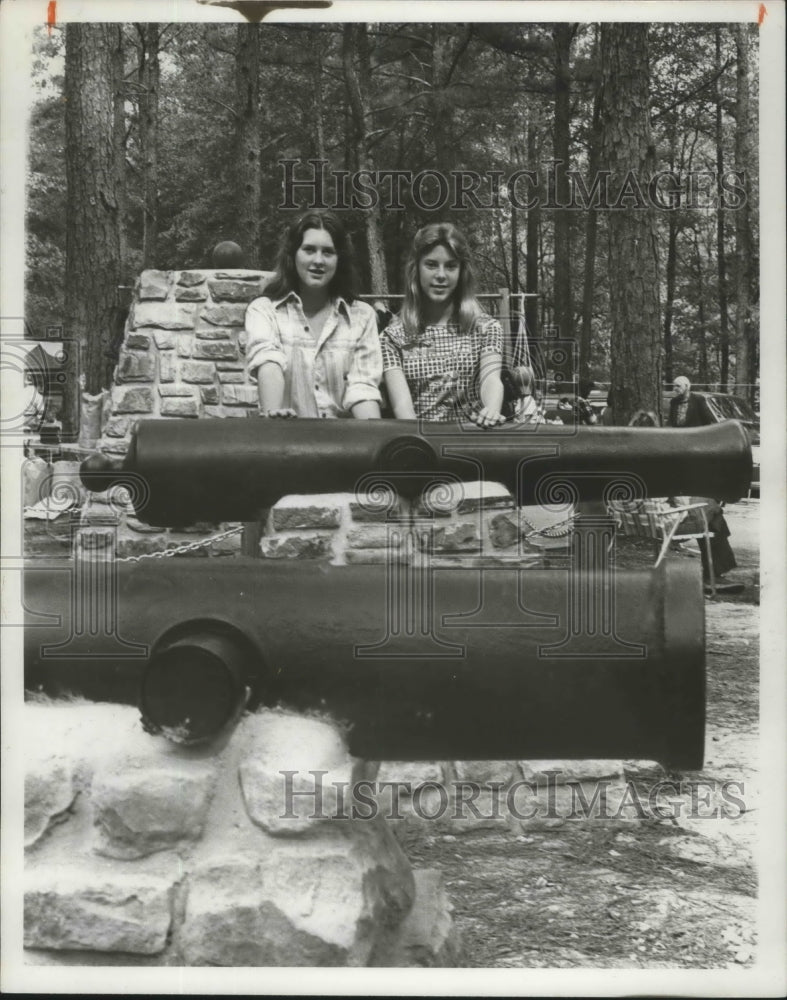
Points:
(685, 408)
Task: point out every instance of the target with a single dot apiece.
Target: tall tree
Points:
(562, 36)
(591, 229)
(93, 222)
(355, 46)
(249, 139)
(744, 327)
(628, 153)
(721, 258)
(149, 83)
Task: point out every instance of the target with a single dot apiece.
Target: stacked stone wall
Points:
(139, 849)
(183, 351)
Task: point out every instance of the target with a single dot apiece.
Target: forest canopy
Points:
(610, 171)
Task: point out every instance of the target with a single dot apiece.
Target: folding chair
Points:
(661, 522)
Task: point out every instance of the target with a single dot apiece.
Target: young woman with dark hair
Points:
(312, 345)
(442, 355)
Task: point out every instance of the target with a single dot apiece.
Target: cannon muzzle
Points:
(184, 471)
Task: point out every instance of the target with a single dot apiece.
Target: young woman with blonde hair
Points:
(442, 355)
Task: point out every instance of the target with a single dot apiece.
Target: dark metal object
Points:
(184, 471)
(493, 667)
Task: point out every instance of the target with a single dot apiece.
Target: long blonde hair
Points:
(467, 308)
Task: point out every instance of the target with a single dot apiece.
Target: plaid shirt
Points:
(442, 366)
(325, 377)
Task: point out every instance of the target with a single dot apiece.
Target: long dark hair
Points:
(467, 309)
(285, 279)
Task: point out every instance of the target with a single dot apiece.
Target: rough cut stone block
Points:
(167, 367)
(135, 368)
(427, 937)
(465, 498)
(230, 546)
(377, 557)
(184, 345)
(36, 481)
(374, 536)
(299, 511)
(196, 371)
(454, 536)
(297, 546)
(215, 350)
(282, 741)
(234, 291)
(208, 332)
(49, 794)
(230, 366)
(140, 544)
(139, 810)
(154, 285)
(144, 529)
(133, 399)
(368, 511)
(485, 496)
(239, 274)
(239, 395)
(164, 340)
(503, 531)
(570, 770)
(210, 395)
(224, 314)
(225, 412)
(176, 389)
(190, 278)
(322, 901)
(483, 771)
(178, 406)
(413, 772)
(234, 378)
(86, 910)
(116, 447)
(191, 294)
(164, 315)
(137, 342)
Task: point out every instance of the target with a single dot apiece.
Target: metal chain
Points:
(181, 549)
(548, 531)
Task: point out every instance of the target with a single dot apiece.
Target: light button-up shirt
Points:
(323, 377)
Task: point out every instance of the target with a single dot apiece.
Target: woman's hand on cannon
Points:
(282, 413)
(487, 416)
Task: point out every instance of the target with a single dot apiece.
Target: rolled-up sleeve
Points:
(366, 366)
(263, 341)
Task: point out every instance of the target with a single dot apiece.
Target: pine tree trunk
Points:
(745, 330)
(591, 228)
(564, 314)
(93, 222)
(149, 138)
(531, 249)
(702, 344)
(247, 88)
(355, 43)
(627, 146)
(724, 333)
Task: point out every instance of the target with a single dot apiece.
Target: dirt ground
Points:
(642, 893)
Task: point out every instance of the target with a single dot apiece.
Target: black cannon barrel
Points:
(490, 667)
(223, 470)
